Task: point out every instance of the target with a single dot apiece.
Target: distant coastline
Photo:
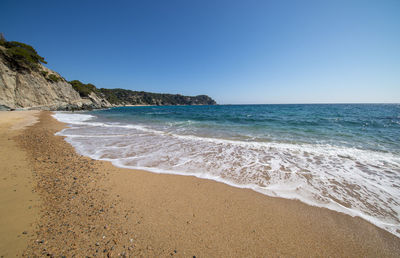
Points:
(28, 84)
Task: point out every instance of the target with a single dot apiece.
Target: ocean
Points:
(344, 157)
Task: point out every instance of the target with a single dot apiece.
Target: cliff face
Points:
(26, 83)
(40, 88)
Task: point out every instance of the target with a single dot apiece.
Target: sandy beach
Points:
(84, 207)
(18, 202)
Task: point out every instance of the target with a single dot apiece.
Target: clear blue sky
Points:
(235, 51)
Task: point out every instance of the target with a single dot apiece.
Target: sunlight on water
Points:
(343, 157)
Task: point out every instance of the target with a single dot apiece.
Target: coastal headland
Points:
(85, 207)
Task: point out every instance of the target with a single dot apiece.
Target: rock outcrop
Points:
(25, 83)
(34, 89)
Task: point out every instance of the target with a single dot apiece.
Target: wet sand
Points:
(92, 208)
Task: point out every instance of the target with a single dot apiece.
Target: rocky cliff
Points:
(25, 83)
(39, 88)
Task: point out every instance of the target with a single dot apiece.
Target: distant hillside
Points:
(129, 97)
(26, 83)
(124, 97)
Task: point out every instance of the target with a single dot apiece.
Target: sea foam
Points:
(357, 182)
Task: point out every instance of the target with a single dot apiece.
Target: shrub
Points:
(84, 90)
(44, 73)
(110, 96)
(23, 50)
(53, 78)
(24, 55)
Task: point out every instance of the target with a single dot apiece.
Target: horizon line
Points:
(314, 103)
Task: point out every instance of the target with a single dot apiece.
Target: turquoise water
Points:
(344, 157)
(373, 127)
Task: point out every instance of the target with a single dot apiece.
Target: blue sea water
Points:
(345, 157)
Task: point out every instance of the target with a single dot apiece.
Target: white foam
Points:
(72, 118)
(357, 182)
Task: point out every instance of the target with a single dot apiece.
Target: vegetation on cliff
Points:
(129, 97)
(21, 55)
(84, 90)
(23, 58)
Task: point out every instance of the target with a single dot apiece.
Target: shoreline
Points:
(336, 177)
(92, 207)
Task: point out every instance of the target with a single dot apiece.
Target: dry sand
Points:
(18, 204)
(93, 208)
